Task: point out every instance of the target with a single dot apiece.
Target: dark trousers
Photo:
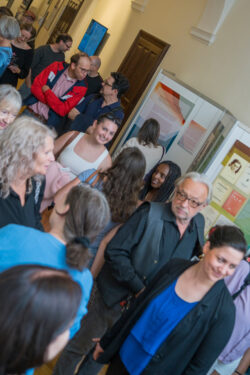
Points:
(93, 325)
(117, 367)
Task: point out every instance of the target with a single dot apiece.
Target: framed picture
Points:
(92, 38)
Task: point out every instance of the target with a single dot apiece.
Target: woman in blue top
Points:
(183, 319)
(74, 222)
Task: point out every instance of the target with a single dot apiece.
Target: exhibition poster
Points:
(231, 192)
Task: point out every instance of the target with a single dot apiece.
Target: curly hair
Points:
(19, 145)
(168, 185)
(122, 183)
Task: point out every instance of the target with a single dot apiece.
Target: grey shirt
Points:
(43, 57)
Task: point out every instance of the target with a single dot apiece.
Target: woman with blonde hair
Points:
(26, 151)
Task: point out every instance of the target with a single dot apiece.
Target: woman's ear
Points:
(206, 247)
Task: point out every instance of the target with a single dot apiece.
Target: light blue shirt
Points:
(5, 57)
(25, 245)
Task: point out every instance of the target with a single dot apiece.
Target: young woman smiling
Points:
(183, 319)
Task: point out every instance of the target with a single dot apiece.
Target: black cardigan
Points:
(196, 341)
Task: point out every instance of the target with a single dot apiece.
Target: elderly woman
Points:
(10, 105)
(183, 319)
(38, 306)
(26, 151)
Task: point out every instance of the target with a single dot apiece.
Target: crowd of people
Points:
(103, 258)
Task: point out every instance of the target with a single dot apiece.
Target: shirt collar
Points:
(67, 77)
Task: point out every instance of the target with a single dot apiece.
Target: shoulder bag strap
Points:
(95, 173)
(71, 139)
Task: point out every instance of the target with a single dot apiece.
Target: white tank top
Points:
(69, 159)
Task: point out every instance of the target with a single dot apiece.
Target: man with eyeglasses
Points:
(58, 89)
(94, 105)
(43, 57)
(154, 234)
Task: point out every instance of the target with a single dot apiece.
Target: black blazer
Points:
(196, 341)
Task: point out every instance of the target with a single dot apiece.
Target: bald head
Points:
(94, 65)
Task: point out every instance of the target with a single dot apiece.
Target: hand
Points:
(140, 291)
(98, 349)
(73, 113)
(15, 69)
(45, 88)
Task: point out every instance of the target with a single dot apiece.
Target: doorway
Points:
(139, 66)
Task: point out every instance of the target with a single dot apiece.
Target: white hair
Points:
(9, 28)
(9, 96)
(197, 177)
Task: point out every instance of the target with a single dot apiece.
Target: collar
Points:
(67, 77)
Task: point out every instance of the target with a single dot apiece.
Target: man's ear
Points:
(115, 91)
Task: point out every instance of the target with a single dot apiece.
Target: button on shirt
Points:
(64, 83)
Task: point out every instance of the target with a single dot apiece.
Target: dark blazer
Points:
(195, 343)
(142, 246)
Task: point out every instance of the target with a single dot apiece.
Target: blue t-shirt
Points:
(24, 245)
(156, 323)
(5, 57)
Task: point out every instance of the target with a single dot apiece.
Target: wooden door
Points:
(139, 66)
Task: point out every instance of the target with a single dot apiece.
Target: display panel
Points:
(92, 38)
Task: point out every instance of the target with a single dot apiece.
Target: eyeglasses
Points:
(183, 197)
(107, 84)
(67, 45)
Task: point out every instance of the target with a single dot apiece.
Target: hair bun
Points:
(82, 240)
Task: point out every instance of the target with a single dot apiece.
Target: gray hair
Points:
(19, 144)
(197, 177)
(87, 216)
(9, 28)
(9, 96)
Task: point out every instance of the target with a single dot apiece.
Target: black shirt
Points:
(23, 59)
(12, 212)
(94, 84)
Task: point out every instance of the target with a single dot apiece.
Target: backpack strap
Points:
(93, 184)
(243, 286)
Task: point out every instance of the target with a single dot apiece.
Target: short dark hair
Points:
(121, 83)
(64, 37)
(4, 11)
(37, 304)
(227, 235)
(76, 57)
(109, 116)
(27, 27)
(168, 185)
(149, 132)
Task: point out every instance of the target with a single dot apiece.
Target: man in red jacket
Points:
(58, 89)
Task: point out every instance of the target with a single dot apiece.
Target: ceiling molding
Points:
(139, 5)
(213, 17)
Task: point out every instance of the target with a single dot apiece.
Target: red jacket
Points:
(49, 76)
